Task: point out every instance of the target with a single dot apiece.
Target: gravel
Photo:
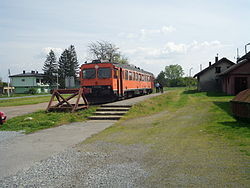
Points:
(117, 166)
(7, 135)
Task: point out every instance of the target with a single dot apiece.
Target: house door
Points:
(240, 84)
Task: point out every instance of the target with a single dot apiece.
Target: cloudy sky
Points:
(152, 34)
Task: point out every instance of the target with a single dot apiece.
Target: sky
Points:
(152, 34)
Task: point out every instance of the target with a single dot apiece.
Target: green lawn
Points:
(42, 120)
(21, 95)
(24, 101)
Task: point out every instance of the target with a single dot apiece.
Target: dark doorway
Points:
(240, 84)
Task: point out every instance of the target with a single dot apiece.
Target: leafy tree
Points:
(50, 69)
(68, 65)
(161, 79)
(173, 72)
(103, 50)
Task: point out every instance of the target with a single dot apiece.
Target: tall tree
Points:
(103, 50)
(161, 79)
(173, 72)
(50, 69)
(68, 65)
(174, 75)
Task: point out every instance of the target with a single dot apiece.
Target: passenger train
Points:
(107, 80)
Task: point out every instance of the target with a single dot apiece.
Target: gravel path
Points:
(22, 152)
(8, 135)
(74, 168)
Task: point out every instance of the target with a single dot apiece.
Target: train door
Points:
(121, 82)
(117, 76)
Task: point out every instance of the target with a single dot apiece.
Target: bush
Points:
(32, 91)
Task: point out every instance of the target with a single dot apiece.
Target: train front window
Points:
(104, 73)
(88, 73)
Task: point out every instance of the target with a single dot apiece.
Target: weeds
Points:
(41, 120)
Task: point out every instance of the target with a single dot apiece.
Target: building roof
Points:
(243, 96)
(235, 66)
(28, 75)
(246, 56)
(214, 65)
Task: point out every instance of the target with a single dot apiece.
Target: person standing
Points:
(157, 86)
(161, 87)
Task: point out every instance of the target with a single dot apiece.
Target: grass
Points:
(21, 95)
(41, 120)
(206, 112)
(190, 139)
(24, 101)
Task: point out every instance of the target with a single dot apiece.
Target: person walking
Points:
(161, 87)
(157, 86)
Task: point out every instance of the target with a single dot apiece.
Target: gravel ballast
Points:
(6, 135)
(118, 167)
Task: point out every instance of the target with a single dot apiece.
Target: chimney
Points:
(216, 59)
(23, 71)
(210, 63)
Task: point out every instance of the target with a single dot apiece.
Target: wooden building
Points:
(237, 77)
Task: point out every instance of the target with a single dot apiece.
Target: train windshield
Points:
(104, 73)
(89, 73)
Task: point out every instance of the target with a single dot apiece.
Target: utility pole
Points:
(246, 48)
(190, 71)
(8, 90)
(57, 76)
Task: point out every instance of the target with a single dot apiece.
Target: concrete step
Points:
(112, 109)
(115, 106)
(106, 117)
(103, 113)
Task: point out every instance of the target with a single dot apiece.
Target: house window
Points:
(23, 80)
(217, 69)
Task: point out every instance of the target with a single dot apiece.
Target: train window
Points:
(130, 75)
(126, 75)
(88, 73)
(104, 73)
(133, 75)
(142, 77)
(136, 76)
